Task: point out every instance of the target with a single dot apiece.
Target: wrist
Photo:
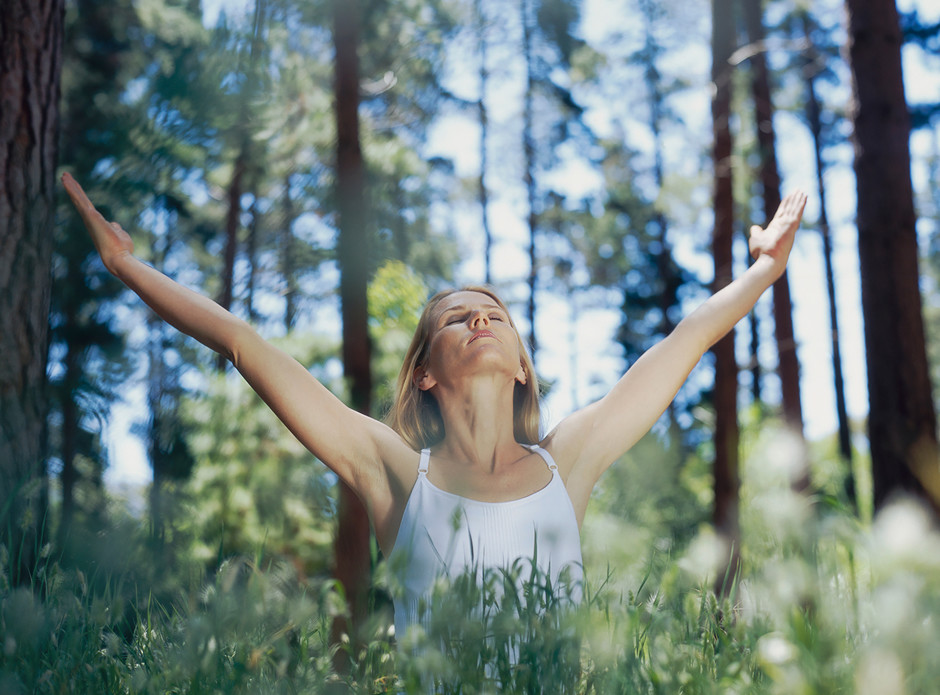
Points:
(119, 264)
(770, 267)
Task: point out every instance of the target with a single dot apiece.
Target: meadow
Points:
(828, 600)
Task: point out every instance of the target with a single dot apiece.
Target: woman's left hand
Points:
(777, 239)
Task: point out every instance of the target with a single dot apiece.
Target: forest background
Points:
(320, 168)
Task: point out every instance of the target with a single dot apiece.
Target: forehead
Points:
(466, 300)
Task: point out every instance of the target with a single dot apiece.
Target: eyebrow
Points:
(463, 307)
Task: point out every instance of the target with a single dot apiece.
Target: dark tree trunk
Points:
(352, 547)
(287, 257)
(727, 483)
(815, 125)
(902, 422)
(788, 367)
(251, 254)
(232, 219)
(31, 35)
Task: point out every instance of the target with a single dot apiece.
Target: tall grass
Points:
(825, 603)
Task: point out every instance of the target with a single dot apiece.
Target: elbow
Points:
(237, 341)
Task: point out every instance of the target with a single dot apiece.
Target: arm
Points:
(594, 437)
(342, 438)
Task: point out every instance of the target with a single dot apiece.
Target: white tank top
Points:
(443, 534)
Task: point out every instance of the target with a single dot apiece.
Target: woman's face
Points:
(470, 333)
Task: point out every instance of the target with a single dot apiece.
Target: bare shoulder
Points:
(572, 443)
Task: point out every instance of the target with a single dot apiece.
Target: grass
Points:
(825, 603)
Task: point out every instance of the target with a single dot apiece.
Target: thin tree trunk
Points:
(31, 37)
(528, 148)
(231, 238)
(727, 483)
(902, 421)
(815, 125)
(663, 255)
(753, 325)
(483, 195)
(288, 261)
(788, 367)
(352, 547)
(251, 253)
(69, 444)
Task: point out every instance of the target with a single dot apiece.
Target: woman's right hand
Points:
(111, 241)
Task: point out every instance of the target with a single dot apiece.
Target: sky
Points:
(578, 351)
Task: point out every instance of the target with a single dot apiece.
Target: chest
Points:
(523, 478)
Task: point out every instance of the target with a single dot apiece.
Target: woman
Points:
(461, 478)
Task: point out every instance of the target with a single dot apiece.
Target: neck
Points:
(478, 423)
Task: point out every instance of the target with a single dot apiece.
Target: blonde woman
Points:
(461, 477)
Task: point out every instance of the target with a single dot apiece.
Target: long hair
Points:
(415, 414)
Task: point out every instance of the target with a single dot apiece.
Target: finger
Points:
(75, 191)
(795, 202)
(756, 229)
(86, 209)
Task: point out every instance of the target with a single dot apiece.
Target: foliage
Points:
(825, 603)
(396, 298)
(255, 488)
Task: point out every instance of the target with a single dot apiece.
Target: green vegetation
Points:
(825, 603)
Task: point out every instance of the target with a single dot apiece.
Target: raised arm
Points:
(594, 437)
(349, 443)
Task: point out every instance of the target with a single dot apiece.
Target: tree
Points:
(31, 37)
(902, 420)
(788, 367)
(352, 556)
(548, 114)
(727, 483)
(85, 362)
(813, 68)
(483, 115)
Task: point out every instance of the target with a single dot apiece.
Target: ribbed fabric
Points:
(443, 534)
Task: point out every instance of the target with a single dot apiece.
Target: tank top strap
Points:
(547, 457)
(424, 462)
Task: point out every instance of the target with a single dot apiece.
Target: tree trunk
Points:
(31, 35)
(902, 423)
(727, 483)
(352, 547)
(288, 257)
(815, 125)
(528, 150)
(669, 284)
(232, 218)
(482, 193)
(788, 366)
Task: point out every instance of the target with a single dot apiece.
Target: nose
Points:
(479, 319)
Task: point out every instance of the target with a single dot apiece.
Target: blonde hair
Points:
(414, 413)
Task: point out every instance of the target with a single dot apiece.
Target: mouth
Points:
(482, 334)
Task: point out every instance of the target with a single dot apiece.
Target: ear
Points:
(423, 379)
(521, 375)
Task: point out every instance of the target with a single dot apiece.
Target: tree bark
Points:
(727, 484)
(232, 219)
(528, 150)
(31, 38)
(352, 547)
(482, 193)
(814, 119)
(788, 366)
(902, 422)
